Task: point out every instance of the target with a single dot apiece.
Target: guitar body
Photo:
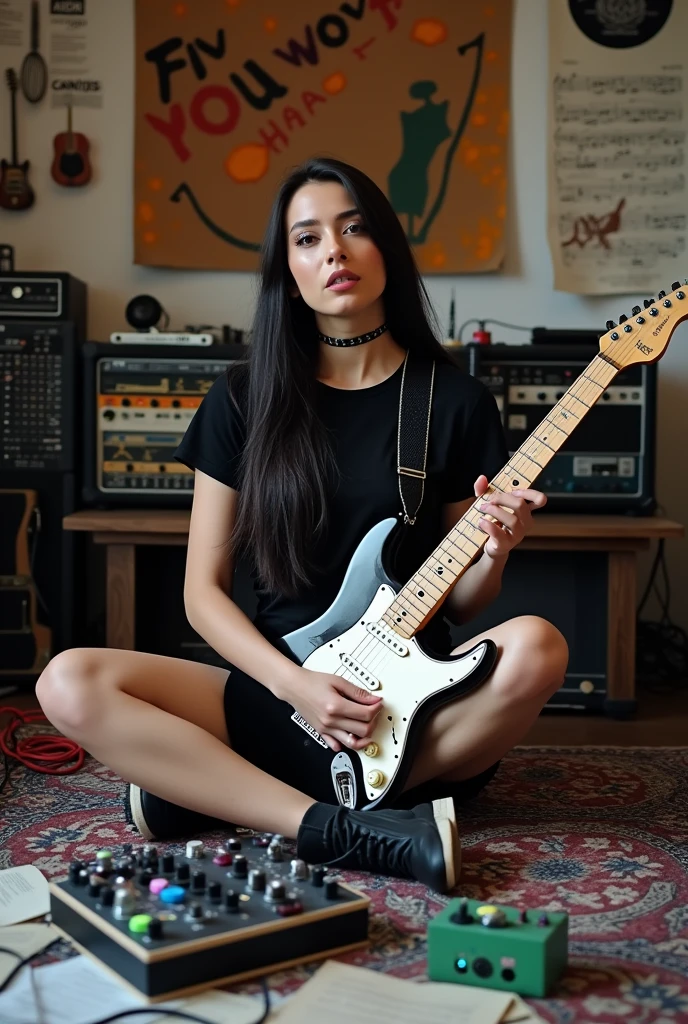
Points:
(350, 640)
(71, 166)
(15, 191)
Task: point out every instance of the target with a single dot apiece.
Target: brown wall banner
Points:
(231, 94)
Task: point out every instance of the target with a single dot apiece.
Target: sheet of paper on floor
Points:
(339, 993)
(76, 991)
(24, 894)
(520, 1013)
(26, 940)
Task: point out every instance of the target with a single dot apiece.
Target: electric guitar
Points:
(15, 191)
(368, 634)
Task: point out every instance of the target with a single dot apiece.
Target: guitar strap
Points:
(415, 403)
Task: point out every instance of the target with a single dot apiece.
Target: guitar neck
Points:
(425, 591)
(13, 109)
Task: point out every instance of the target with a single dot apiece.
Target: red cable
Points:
(49, 754)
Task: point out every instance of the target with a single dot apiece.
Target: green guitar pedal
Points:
(475, 943)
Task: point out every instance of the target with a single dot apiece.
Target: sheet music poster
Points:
(618, 112)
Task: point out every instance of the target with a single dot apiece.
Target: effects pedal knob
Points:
(462, 915)
(257, 880)
(298, 869)
(198, 881)
(231, 901)
(149, 855)
(166, 864)
(331, 888)
(275, 891)
(317, 876)
(124, 902)
(140, 923)
(183, 873)
(195, 849)
(104, 866)
(107, 896)
(214, 891)
(232, 845)
(275, 851)
(155, 928)
(75, 869)
(240, 866)
(194, 912)
(222, 858)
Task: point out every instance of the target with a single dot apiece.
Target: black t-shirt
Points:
(466, 439)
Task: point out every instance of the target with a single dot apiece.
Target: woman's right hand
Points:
(343, 713)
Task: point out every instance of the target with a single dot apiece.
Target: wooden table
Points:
(621, 537)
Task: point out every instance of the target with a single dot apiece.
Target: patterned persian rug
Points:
(598, 832)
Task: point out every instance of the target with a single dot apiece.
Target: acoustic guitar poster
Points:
(231, 94)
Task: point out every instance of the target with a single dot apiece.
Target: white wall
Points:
(89, 233)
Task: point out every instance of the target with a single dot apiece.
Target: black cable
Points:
(34, 532)
(661, 645)
(22, 961)
(161, 1011)
(499, 323)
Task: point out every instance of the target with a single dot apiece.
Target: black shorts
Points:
(256, 726)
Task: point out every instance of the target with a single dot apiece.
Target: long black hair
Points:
(287, 461)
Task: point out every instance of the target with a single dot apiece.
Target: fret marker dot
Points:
(515, 483)
(421, 593)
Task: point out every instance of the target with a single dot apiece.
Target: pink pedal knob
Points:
(156, 885)
(223, 859)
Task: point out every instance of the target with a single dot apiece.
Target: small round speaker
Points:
(143, 312)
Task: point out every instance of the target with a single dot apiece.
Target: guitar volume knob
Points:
(375, 779)
(372, 750)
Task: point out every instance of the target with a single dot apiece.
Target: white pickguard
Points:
(403, 682)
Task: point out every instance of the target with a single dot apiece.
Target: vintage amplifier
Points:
(39, 445)
(138, 402)
(607, 465)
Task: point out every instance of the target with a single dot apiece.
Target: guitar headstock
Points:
(643, 337)
(11, 78)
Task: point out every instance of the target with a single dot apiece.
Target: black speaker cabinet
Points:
(570, 590)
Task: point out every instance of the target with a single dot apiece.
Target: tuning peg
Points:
(647, 303)
(610, 324)
(623, 318)
(675, 285)
(635, 310)
(660, 295)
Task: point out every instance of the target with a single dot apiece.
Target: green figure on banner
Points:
(424, 130)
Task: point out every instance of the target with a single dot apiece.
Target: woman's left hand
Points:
(513, 514)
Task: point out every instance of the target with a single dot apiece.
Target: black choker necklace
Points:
(361, 340)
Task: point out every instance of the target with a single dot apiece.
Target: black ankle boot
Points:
(418, 846)
(156, 818)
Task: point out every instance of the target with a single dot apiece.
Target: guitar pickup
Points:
(362, 674)
(388, 637)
